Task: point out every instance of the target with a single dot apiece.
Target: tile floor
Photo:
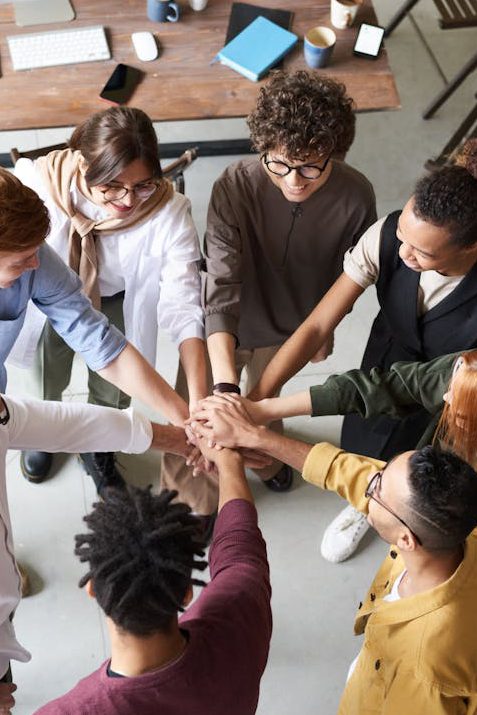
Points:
(313, 601)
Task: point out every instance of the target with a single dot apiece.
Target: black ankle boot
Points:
(35, 466)
(101, 466)
(282, 481)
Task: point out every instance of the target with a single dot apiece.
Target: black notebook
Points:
(242, 14)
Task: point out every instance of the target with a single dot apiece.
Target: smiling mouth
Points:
(123, 209)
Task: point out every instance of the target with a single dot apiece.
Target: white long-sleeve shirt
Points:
(52, 427)
(155, 262)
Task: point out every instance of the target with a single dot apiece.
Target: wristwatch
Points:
(226, 387)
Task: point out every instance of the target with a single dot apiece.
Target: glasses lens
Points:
(114, 193)
(309, 172)
(372, 485)
(144, 191)
(278, 168)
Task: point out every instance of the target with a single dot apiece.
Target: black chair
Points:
(173, 171)
(466, 130)
(453, 14)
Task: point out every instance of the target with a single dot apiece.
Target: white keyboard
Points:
(58, 47)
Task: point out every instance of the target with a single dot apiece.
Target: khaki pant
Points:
(201, 492)
(54, 361)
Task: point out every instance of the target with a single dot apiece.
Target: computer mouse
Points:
(145, 46)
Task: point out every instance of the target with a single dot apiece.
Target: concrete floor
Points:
(313, 601)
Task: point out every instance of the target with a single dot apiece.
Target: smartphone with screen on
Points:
(121, 84)
(369, 41)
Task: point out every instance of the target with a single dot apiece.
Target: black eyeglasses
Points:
(306, 171)
(116, 193)
(375, 484)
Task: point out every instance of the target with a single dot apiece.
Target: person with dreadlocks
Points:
(57, 427)
(141, 550)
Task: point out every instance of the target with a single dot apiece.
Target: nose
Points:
(294, 178)
(405, 252)
(129, 199)
(34, 262)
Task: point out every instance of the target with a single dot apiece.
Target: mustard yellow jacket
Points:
(419, 655)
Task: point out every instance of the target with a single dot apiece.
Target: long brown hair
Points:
(457, 428)
(111, 140)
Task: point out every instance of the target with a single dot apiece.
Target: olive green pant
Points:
(54, 362)
(201, 492)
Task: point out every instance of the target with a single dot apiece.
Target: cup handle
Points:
(175, 8)
(349, 19)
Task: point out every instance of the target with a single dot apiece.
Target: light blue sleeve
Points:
(57, 292)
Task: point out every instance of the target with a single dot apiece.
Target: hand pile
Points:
(220, 421)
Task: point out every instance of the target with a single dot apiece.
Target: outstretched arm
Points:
(134, 375)
(309, 337)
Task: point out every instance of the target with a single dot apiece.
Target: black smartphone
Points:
(369, 41)
(120, 86)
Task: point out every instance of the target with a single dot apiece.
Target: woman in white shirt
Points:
(121, 226)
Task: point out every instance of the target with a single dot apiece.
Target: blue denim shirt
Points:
(57, 291)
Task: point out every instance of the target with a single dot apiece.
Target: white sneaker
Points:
(343, 535)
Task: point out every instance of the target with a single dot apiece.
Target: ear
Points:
(82, 165)
(188, 596)
(89, 588)
(406, 541)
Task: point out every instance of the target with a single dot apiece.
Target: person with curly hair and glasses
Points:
(278, 226)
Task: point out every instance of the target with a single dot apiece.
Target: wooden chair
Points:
(453, 14)
(173, 171)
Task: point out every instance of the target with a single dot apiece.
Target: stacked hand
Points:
(225, 421)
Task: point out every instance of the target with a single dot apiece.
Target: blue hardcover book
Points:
(257, 48)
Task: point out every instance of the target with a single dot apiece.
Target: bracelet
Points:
(226, 387)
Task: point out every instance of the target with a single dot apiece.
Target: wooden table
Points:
(181, 83)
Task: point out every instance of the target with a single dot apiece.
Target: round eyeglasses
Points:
(306, 171)
(141, 191)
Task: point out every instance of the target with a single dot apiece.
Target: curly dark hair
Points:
(448, 197)
(141, 550)
(111, 140)
(443, 499)
(302, 114)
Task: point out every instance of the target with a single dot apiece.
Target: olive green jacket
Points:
(396, 392)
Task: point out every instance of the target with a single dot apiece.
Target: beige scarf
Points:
(58, 170)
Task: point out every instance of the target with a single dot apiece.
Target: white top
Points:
(155, 262)
(53, 427)
(361, 264)
(393, 595)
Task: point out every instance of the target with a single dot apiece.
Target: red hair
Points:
(457, 428)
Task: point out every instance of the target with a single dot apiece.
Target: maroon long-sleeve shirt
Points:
(229, 628)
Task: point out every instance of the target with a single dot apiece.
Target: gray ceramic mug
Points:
(163, 10)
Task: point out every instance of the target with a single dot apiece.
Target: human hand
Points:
(257, 411)
(219, 458)
(224, 420)
(7, 701)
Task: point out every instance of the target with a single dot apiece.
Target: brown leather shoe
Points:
(25, 581)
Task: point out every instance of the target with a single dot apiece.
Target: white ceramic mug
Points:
(343, 13)
(198, 5)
